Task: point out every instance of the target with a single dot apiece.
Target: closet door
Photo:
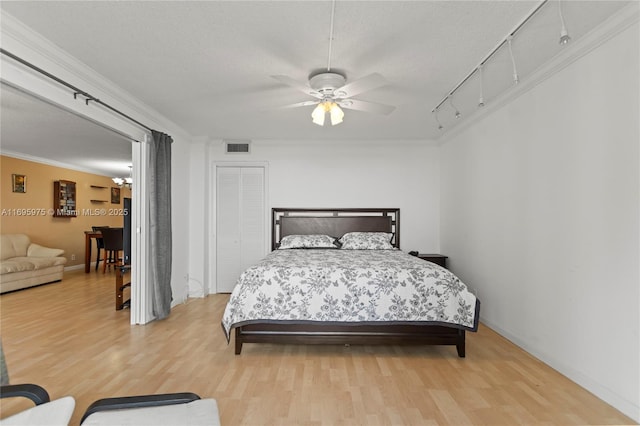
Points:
(240, 222)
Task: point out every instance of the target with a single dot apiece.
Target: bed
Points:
(338, 276)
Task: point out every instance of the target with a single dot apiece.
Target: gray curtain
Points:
(159, 192)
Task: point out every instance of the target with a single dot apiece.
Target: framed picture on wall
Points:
(19, 183)
(115, 195)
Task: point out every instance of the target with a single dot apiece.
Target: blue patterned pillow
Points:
(307, 241)
(367, 241)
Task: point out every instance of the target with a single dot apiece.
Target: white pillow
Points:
(367, 241)
(307, 241)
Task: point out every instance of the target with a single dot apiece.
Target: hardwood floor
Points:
(69, 338)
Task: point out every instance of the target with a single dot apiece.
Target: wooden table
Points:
(88, 235)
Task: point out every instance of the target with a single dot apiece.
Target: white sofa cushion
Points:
(19, 264)
(14, 245)
(36, 250)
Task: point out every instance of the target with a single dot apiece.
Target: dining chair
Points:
(99, 243)
(113, 242)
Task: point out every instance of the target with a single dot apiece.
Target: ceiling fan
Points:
(331, 90)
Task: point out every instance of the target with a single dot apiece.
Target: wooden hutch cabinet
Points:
(64, 199)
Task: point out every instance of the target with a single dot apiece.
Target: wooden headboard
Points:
(333, 222)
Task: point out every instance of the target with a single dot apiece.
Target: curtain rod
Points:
(495, 49)
(76, 91)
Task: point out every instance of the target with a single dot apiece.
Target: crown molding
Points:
(614, 25)
(49, 162)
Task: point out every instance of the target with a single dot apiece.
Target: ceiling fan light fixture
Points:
(318, 114)
(336, 114)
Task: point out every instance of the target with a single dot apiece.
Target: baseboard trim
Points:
(628, 408)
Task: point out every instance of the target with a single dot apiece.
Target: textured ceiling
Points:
(207, 65)
(31, 127)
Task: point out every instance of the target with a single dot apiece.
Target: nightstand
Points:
(438, 259)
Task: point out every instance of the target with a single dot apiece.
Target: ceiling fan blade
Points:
(297, 85)
(367, 106)
(300, 104)
(369, 82)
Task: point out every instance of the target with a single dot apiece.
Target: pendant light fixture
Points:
(124, 181)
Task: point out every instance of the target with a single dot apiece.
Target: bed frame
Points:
(337, 222)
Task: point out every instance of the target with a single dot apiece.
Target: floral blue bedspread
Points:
(356, 286)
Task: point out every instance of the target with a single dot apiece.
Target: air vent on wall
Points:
(236, 146)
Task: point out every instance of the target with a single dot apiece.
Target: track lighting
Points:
(507, 43)
(516, 79)
(564, 34)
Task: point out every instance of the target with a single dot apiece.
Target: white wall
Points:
(402, 174)
(540, 213)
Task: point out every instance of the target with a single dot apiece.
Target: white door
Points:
(240, 222)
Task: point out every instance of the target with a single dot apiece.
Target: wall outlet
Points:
(73, 257)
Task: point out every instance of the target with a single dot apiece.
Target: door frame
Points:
(211, 246)
(35, 84)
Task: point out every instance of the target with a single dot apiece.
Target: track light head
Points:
(481, 77)
(564, 37)
(435, 114)
(564, 34)
(456, 113)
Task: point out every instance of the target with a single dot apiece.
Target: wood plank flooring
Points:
(68, 338)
